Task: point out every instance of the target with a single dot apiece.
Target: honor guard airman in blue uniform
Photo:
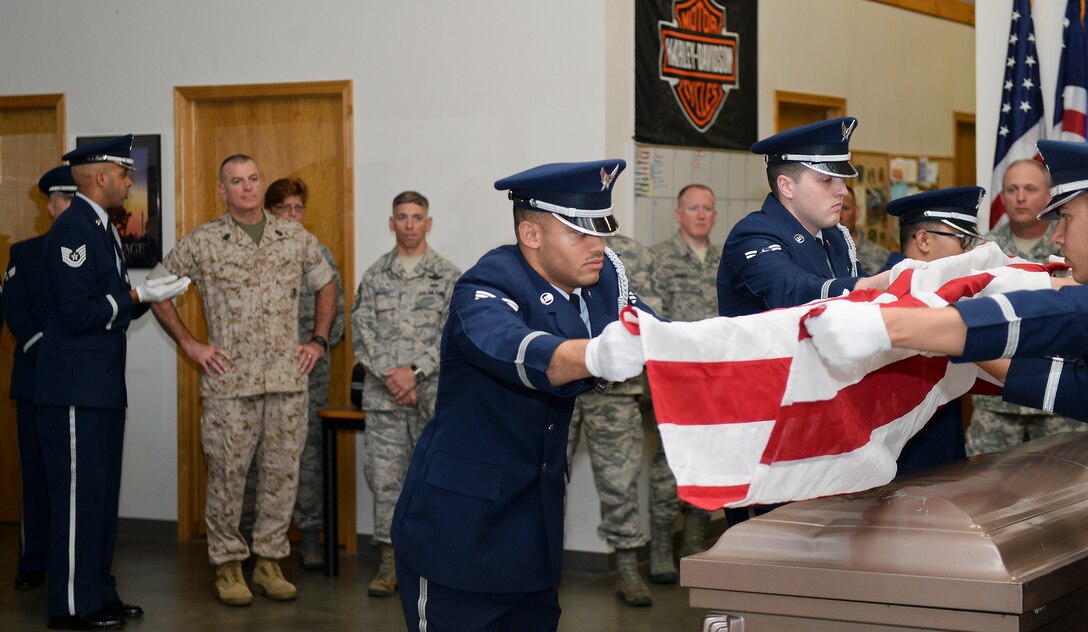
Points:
(80, 386)
(478, 528)
(934, 225)
(1028, 326)
(24, 311)
(793, 249)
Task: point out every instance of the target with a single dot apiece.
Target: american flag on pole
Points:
(1071, 98)
(750, 414)
(1021, 121)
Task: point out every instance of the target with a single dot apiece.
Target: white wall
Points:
(992, 20)
(448, 98)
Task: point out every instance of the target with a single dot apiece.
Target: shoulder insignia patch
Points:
(73, 258)
(11, 273)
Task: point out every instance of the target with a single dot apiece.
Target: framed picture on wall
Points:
(139, 220)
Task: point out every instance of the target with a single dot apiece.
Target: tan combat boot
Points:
(384, 583)
(629, 584)
(231, 585)
(268, 580)
(695, 524)
(662, 566)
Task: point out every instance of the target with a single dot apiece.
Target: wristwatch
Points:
(418, 373)
(321, 341)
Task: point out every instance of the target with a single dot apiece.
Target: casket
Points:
(996, 542)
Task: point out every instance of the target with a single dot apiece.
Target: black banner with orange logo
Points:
(695, 73)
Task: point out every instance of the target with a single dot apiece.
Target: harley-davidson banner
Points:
(695, 73)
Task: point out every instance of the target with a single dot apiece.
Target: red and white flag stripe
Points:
(750, 414)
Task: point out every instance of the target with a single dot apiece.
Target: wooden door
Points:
(794, 109)
(31, 143)
(291, 130)
(964, 157)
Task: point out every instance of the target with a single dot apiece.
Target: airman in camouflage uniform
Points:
(996, 424)
(248, 267)
(684, 272)
(400, 308)
(287, 198)
(613, 429)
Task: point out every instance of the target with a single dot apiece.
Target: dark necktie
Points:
(827, 255)
(576, 302)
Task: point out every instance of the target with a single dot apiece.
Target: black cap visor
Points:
(841, 169)
(1050, 213)
(599, 226)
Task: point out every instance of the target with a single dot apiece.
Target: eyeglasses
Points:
(282, 208)
(967, 241)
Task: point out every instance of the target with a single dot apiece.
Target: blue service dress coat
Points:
(482, 505)
(1029, 326)
(770, 260)
(82, 357)
(24, 310)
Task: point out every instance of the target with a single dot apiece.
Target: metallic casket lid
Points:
(999, 532)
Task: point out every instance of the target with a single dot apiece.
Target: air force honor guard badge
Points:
(73, 258)
(847, 130)
(607, 178)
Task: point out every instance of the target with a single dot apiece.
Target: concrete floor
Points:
(174, 584)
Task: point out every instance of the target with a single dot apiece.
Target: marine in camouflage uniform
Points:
(397, 321)
(613, 429)
(997, 424)
(255, 371)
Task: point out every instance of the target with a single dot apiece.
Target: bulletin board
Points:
(883, 177)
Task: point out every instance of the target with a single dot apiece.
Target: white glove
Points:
(616, 354)
(847, 332)
(907, 264)
(162, 288)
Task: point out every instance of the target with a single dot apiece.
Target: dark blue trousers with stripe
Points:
(34, 523)
(82, 450)
(431, 607)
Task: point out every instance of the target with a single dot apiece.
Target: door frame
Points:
(186, 100)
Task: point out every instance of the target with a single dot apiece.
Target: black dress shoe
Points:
(89, 621)
(29, 581)
(118, 608)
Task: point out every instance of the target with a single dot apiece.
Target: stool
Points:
(333, 419)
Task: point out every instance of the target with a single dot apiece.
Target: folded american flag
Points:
(750, 414)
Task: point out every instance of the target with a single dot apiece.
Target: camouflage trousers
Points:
(309, 506)
(665, 505)
(613, 428)
(236, 431)
(991, 430)
(391, 436)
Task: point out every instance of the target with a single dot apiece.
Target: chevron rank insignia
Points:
(73, 258)
(11, 273)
